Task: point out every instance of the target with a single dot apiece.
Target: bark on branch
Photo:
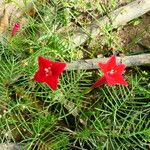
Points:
(135, 60)
(116, 18)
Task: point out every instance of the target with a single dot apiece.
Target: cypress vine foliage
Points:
(36, 117)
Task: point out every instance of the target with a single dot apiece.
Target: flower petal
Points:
(115, 79)
(52, 82)
(110, 80)
(49, 72)
(119, 69)
(111, 63)
(99, 82)
(120, 80)
(112, 73)
(44, 63)
(58, 68)
(103, 67)
(39, 76)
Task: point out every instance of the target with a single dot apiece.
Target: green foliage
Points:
(36, 117)
(122, 117)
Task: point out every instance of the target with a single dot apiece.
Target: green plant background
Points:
(33, 115)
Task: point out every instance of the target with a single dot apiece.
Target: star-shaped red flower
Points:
(49, 72)
(112, 73)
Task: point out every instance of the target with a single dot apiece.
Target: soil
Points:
(141, 32)
(133, 38)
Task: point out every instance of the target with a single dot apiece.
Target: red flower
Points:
(49, 72)
(15, 28)
(112, 73)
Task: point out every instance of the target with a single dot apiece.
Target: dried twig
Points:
(116, 18)
(135, 60)
(10, 146)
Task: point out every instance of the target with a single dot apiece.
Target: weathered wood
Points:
(135, 60)
(10, 146)
(117, 18)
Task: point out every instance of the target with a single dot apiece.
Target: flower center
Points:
(111, 72)
(48, 71)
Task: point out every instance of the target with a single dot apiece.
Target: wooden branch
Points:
(116, 18)
(10, 146)
(135, 60)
